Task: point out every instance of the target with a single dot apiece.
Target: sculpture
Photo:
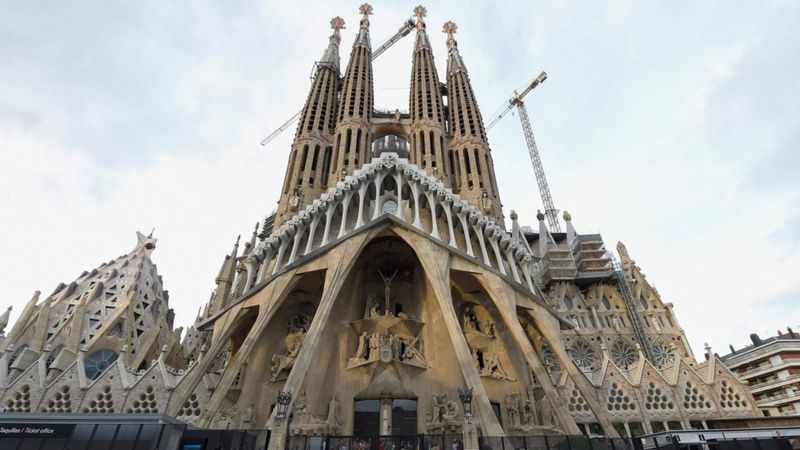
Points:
(444, 413)
(4, 320)
(512, 409)
(333, 412)
(284, 361)
(362, 351)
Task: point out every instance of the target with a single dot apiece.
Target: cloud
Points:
(672, 129)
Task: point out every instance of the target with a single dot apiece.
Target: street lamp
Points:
(284, 398)
(465, 395)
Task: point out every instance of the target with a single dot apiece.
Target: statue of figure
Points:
(492, 364)
(530, 410)
(486, 202)
(487, 327)
(397, 347)
(470, 322)
(524, 411)
(374, 345)
(281, 362)
(4, 320)
(450, 416)
(437, 407)
(546, 411)
(512, 407)
(374, 306)
(362, 351)
(333, 412)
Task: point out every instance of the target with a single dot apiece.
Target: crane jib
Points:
(401, 33)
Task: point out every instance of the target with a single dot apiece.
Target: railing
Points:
(774, 381)
(763, 367)
(455, 442)
(766, 400)
(765, 349)
(409, 442)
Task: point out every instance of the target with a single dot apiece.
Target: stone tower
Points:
(312, 150)
(353, 143)
(472, 167)
(428, 126)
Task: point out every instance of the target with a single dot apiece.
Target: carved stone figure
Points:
(362, 351)
(284, 361)
(492, 365)
(333, 412)
(437, 404)
(4, 320)
(374, 306)
(444, 414)
(512, 409)
(451, 413)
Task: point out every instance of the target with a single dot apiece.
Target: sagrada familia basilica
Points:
(387, 295)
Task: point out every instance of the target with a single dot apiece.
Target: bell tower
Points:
(472, 165)
(353, 141)
(428, 132)
(310, 158)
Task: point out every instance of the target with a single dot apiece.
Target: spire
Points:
(470, 157)
(224, 280)
(309, 160)
(422, 41)
(454, 61)
(352, 144)
(362, 39)
(428, 135)
(331, 55)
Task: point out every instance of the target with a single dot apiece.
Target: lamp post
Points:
(280, 437)
(465, 395)
(469, 432)
(284, 398)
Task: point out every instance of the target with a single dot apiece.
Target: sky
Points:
(672, 126)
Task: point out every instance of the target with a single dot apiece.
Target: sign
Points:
(36, 430)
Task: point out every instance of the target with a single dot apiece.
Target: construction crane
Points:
(401, 33)
(550, 211)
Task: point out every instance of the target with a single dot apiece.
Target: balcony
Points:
(773, 383)
(769, 367)
(778, 399)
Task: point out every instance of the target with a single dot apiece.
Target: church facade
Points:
(386, 296)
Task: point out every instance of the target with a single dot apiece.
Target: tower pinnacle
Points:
(419, 13)
(366, 11)
(450, 28)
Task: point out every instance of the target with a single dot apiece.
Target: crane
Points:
(550, 211)
(408, 25)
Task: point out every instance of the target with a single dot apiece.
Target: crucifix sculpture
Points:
(387, 283)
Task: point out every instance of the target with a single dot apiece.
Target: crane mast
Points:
(550, 211)
(401, 33)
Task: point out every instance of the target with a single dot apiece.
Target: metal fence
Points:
(454, 442)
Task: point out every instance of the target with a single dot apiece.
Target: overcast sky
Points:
(672, 126)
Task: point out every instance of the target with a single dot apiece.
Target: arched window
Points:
(96, 363)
